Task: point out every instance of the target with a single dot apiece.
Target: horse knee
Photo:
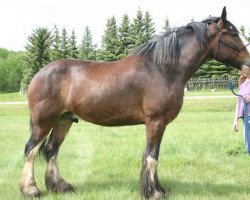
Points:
(31, 144)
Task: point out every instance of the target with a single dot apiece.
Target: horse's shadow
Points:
(88, 186)
(204, 189)
(174, 187)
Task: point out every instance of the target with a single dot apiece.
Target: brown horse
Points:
(146, 87)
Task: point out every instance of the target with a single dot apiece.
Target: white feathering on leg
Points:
(152, 163)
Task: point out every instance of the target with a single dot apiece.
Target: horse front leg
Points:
(150, 186)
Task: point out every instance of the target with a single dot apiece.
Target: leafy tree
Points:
(166, 24)
(138, 29)
(142, 28)
(3, 53)
(125, 37)
(214, 69)
(73, 50)
(148, 27)
(56, 52)
(110, 41)
(242, 31)
(87, 49)
(11, 70)
(64, 44)
(38, 53)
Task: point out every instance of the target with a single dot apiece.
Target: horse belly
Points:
(109, 112)
(108, 118)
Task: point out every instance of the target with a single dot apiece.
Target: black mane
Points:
(166, 50)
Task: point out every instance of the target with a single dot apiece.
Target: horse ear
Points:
(223, 18)
(224, 14)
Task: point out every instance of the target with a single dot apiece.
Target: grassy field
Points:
(209, 93)
(10, 97)
(201, 157)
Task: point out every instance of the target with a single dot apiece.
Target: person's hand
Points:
(235, 126)
(247, 98)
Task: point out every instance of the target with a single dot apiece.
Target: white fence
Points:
(209, 83)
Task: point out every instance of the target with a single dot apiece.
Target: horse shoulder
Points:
(162, 101)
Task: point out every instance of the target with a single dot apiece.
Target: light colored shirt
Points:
(244, 90)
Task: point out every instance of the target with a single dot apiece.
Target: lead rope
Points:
(245, 117)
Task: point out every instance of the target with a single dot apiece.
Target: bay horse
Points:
(146, 87)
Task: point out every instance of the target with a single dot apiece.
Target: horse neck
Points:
(192, 59)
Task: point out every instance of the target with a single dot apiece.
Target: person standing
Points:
(244, 91)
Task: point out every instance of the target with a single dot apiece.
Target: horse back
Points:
(88, 88)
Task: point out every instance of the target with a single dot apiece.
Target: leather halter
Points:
(231, 46)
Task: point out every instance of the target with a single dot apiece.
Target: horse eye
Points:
(234, 34)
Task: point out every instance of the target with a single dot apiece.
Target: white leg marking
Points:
(27, 178)
(52, 170)
(152, 163)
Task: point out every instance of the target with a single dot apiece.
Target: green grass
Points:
(10, 97)
(209, 93)
(104, 163)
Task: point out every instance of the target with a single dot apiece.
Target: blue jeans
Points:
(247, 136)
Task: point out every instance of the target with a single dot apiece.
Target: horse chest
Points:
(165, 104)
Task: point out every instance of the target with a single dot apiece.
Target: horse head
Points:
(229, 46)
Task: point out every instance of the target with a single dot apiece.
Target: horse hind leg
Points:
(53, 179)
(27, 182)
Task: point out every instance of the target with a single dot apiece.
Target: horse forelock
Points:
(165, 49)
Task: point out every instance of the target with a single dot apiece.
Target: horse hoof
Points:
(158, 195)
(31, 192)
(66, 187)
(59, 187)
(155, 194)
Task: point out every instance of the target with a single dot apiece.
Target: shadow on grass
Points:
(132, 186)
(204, 189)
(174, 187)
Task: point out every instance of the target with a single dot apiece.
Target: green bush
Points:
(11, 70)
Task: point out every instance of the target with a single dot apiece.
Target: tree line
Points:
(11, 70)
(44, 46)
